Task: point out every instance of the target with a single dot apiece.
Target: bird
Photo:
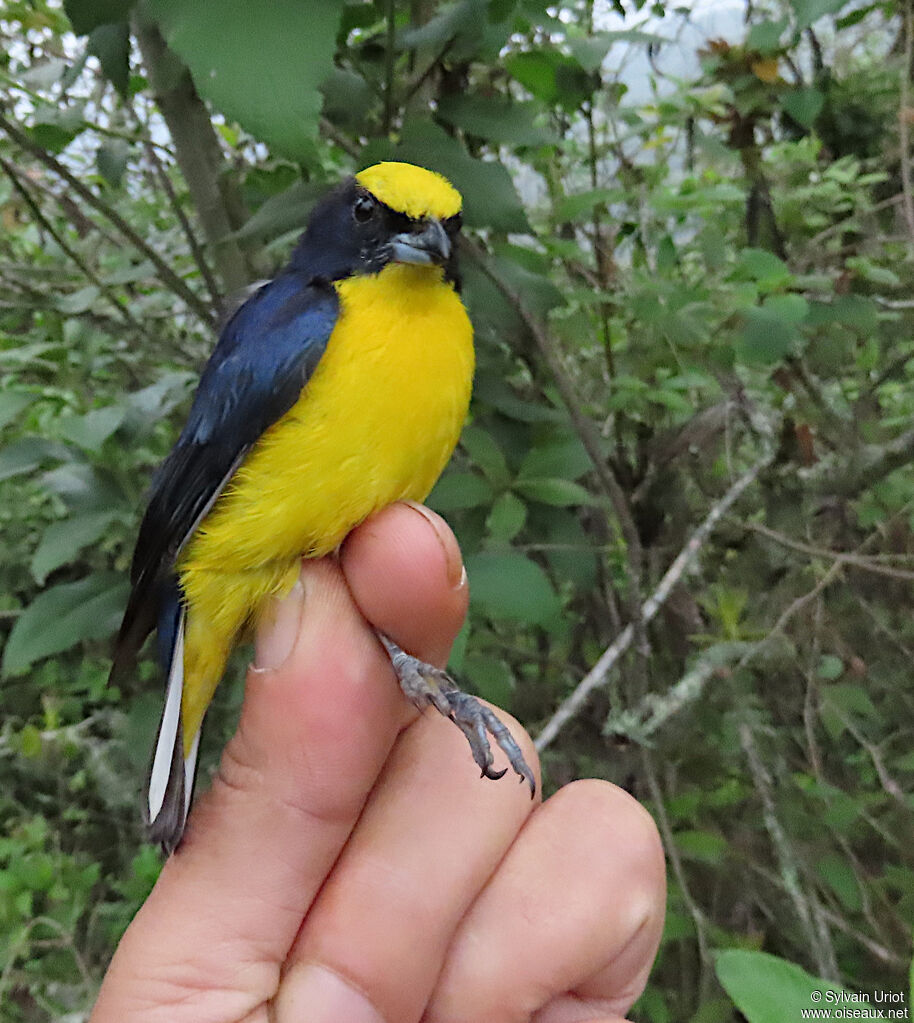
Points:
(339, 387)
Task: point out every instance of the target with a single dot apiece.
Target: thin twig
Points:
(888, 783)
(672, 851)
(640, 722)
(863, 562)
(343, 141)
(196, 248)
(789, 868)
(65, 246)
(590, 438)
(166, 274)
(389, 67)
(815, 242)
(903, 135)
(599, 673)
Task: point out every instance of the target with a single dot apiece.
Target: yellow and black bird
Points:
(339, 387)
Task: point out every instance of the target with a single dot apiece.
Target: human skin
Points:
(349, 864)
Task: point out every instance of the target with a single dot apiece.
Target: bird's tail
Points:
(173, 771)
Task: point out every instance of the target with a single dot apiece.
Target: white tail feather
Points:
(190, 768)
(169, 728)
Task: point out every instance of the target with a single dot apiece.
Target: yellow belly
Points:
(376, 423)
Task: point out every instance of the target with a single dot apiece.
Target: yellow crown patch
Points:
(412, 190)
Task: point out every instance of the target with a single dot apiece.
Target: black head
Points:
(351, 231)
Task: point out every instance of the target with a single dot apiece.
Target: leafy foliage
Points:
(716, 263)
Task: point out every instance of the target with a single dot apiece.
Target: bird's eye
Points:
(453, 224)
(363, 209)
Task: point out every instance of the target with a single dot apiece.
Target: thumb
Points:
(314, 733)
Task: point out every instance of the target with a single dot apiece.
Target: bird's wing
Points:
(265, 355)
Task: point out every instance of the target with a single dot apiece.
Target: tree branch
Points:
(198, 154)
(196, 251)
(590, 438)
(904, 112)
(599, 673)
(84, 267)
(805, 907)
(166, 274)
(866, 563)
(869, 467)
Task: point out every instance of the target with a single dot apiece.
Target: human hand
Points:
(348, 864)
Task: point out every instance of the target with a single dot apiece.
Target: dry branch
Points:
(599, 674)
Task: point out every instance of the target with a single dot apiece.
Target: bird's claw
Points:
(425, 684)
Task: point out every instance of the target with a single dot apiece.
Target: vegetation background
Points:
(685, 494)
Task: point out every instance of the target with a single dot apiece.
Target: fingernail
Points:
(318, 995)
(278, 629)
(456, 573)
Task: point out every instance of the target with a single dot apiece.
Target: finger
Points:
(567, 929)
(431, 835)
(313, 736)
(421, 619)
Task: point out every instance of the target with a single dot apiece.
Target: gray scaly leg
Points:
(425, 684)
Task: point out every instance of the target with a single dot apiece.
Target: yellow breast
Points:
(376, 423)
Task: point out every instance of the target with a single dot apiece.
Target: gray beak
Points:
(426, 246)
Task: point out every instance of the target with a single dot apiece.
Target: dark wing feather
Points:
(265, 355)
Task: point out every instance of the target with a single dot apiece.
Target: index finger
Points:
(313, 737)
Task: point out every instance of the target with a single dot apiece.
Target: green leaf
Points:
(575, 207)
(764, 267)
(552, 77)
(263, 71)
(857, 312)
(30, 743)
(11, 404)
(702, 846)
(158, 399)
(490, 677)
(804, 105)
(791, 308)
(63, 540)
(510, 586)
(851, 699)
(558, 492)
(507, 517)
(831, 667)
(867, 270)
(808, 12)
(765, 36)
(111, 158)
(111, 44)
(79, 301)
(839, 876)
(450, 23)
(489, 196)
(457, 490)
(496, 119)
(767, 989)
(565, 458)
(537, 292)
(348, 98)
(590, 51)
(91, 430)
(86, 15)
(62, 616)
(765, 338)
(288, 211)
(44, 74)
(481, 446)
(54, 128)
(27, 454)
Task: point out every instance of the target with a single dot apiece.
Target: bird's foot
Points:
(425, 684)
